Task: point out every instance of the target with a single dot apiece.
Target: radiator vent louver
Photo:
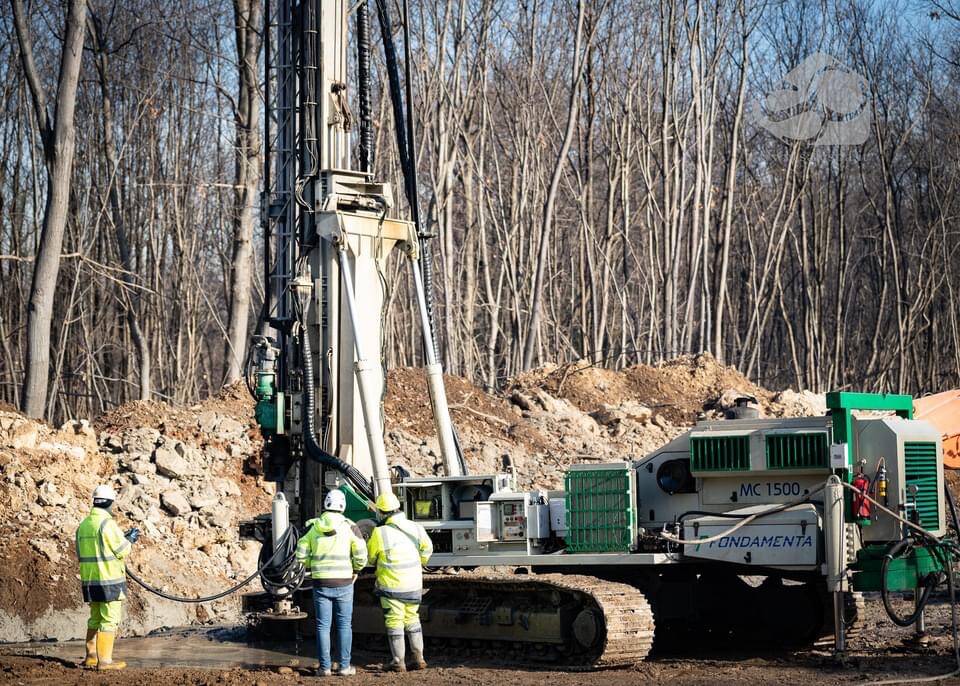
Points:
(920, 470)
(601, 517)
(809, 450)
(720, 453)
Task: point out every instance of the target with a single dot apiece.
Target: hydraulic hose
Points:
(313, 449)
(281, 578)
(288, 537)
(366, 147)
(406, 150)
(396, 96)
(894, 551)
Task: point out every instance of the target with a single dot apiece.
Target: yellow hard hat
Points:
(387, 502)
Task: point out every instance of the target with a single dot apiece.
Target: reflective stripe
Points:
(401, 565)
(103, 583)
(97, 559)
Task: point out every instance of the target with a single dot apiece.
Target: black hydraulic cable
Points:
(281, 578)
(222, 594)
(366, 147)
(414, 199)
(894, 552)
(396, 96)
(314, 451)
(426, 253)
(406, 151)
(426, 256)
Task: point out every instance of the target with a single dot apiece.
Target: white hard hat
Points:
(335, 501)
(104, 492)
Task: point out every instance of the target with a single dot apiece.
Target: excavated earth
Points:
(187, 475)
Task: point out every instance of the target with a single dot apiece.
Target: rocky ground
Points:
(179, 477)
(186, 476)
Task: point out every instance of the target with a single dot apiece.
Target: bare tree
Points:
(58, 135)
(247, 15)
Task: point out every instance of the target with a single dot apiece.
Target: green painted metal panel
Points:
(720, 453)
(358, 507)
(806, 450)
(600, 513)
(920, 470)
(841, 405)
(903, 574)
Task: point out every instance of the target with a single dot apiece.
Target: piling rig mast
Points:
(329, 229)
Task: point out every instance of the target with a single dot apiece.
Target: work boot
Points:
(90, 659)
(415, 636)
(396, 664)
(105, 661)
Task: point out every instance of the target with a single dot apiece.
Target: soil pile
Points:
(179, 478)
(554, 416)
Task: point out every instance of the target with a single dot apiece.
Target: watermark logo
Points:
(823, 103)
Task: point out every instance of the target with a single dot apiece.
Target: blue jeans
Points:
(334, 604)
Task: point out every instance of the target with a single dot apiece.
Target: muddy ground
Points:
(880, 652)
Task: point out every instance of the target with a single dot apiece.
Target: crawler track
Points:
(566, 619)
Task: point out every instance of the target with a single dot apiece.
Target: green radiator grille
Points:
(920, 468)
(720, 453)
(798, 451)
(600, 512)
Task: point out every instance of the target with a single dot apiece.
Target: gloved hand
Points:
(132, 535)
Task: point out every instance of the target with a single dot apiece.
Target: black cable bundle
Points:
(280, 573)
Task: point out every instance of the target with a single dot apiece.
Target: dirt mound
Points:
(679, 389)
(179, 477)
(407, 405)
(554, 416)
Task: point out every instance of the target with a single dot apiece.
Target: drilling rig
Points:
(669, 545)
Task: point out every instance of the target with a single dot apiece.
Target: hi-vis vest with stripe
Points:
(332, 547)
(399, 549)
(101, 548)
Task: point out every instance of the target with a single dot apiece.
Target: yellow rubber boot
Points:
(90, 660)
(105, 662)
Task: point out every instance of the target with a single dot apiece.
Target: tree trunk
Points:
(533, 329)
(59, 140)
(247, 14)
(130, 296)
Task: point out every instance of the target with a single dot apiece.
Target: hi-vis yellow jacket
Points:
(101, 548)
(332, 548)
(399, 549)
